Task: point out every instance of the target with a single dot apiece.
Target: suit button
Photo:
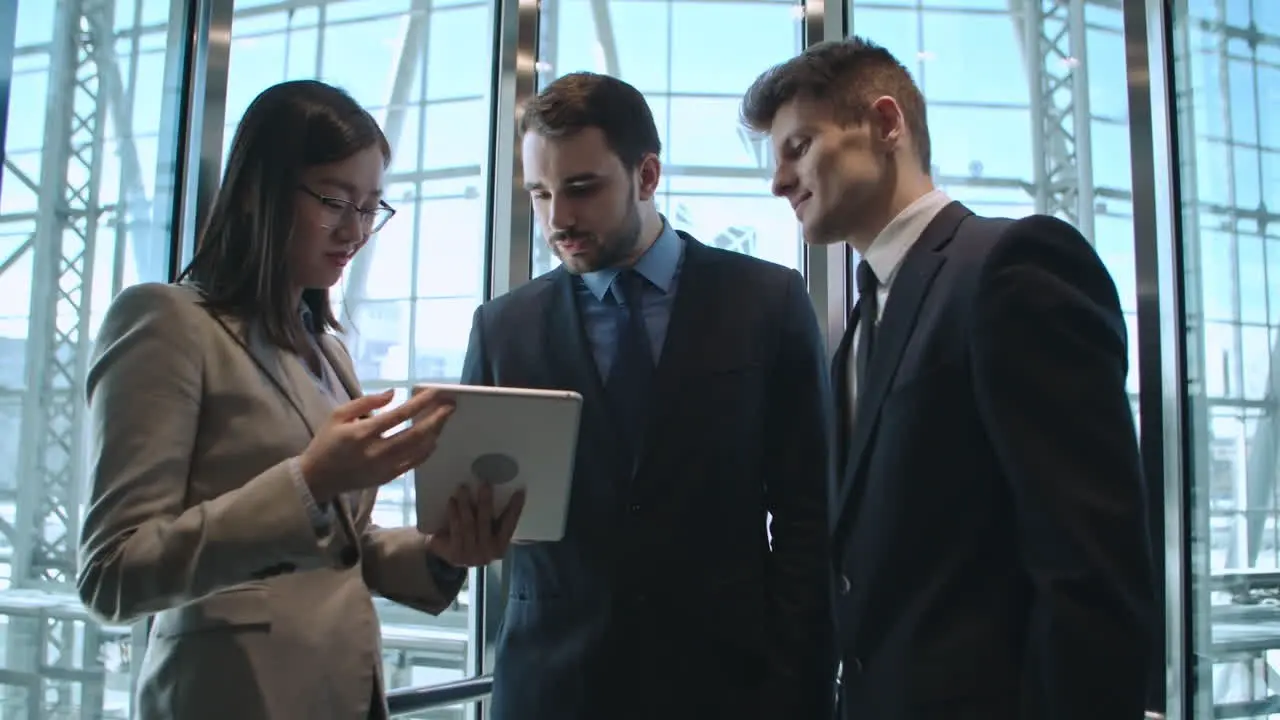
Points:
(845, 587)
(635, 508)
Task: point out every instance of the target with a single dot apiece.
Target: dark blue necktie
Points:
(867, 317)
(630, 384)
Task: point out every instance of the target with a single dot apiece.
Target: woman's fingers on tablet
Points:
(484, 519)
(427, 429)
(450, 548)
(416, 443)
(464, 506)
(506, 525)
(426, 406)
(361, 406)
(438, 417)
(475, 538)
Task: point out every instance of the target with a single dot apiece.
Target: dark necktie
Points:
(630, 383)
(867, 316)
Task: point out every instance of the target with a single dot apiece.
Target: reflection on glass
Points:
(84, 212)
(407, 299)
(1227, 77)
(692, 60)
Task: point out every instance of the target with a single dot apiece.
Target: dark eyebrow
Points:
(344, 186)
(578, 179)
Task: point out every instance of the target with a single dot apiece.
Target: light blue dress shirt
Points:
(660, 265)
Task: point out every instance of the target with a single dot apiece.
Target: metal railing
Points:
(405, 701)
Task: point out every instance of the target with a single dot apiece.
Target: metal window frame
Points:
(1161, 343)
(205, 107)
(508, 256)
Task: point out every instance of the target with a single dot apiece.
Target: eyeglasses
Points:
(339, 211)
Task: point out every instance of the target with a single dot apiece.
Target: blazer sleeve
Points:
(143, 548)
(398, 566)
(1049, 363)
(797, 474)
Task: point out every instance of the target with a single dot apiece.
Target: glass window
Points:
(81, 218)
(693, 61)
(1228, 90)
(984, 127)
(407, 299)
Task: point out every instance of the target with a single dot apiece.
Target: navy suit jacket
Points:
(991, 528)
(665, 598)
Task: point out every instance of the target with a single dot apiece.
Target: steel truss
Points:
(1061, 138)
(54, 651)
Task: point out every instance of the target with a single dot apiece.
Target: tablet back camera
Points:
(495, 468)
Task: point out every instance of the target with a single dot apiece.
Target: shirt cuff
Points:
(320, 517)
(443, 572)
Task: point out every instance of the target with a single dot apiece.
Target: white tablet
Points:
(512, 438)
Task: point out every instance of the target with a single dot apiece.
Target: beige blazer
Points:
(194, 519)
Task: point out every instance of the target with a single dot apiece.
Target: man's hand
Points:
(474, 537)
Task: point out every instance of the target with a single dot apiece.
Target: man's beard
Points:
(611, 250)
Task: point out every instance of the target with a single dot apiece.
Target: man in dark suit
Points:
(705, 413)
(990, 535)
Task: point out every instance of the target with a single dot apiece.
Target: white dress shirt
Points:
(885, 256)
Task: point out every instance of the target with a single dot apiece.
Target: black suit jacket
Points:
(991, 534)
(664, 599)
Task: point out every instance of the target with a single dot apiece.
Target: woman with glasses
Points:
(236, 461)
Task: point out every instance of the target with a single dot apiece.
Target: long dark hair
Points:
(240, 264)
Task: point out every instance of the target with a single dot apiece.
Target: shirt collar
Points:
(886, 252)
(658, 264)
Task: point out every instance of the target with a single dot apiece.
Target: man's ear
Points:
(649, 173)
(888, 126)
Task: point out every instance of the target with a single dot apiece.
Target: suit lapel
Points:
(692, 311)
(285, 373)
(840, 385)
(340, 361)
(906, 295)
